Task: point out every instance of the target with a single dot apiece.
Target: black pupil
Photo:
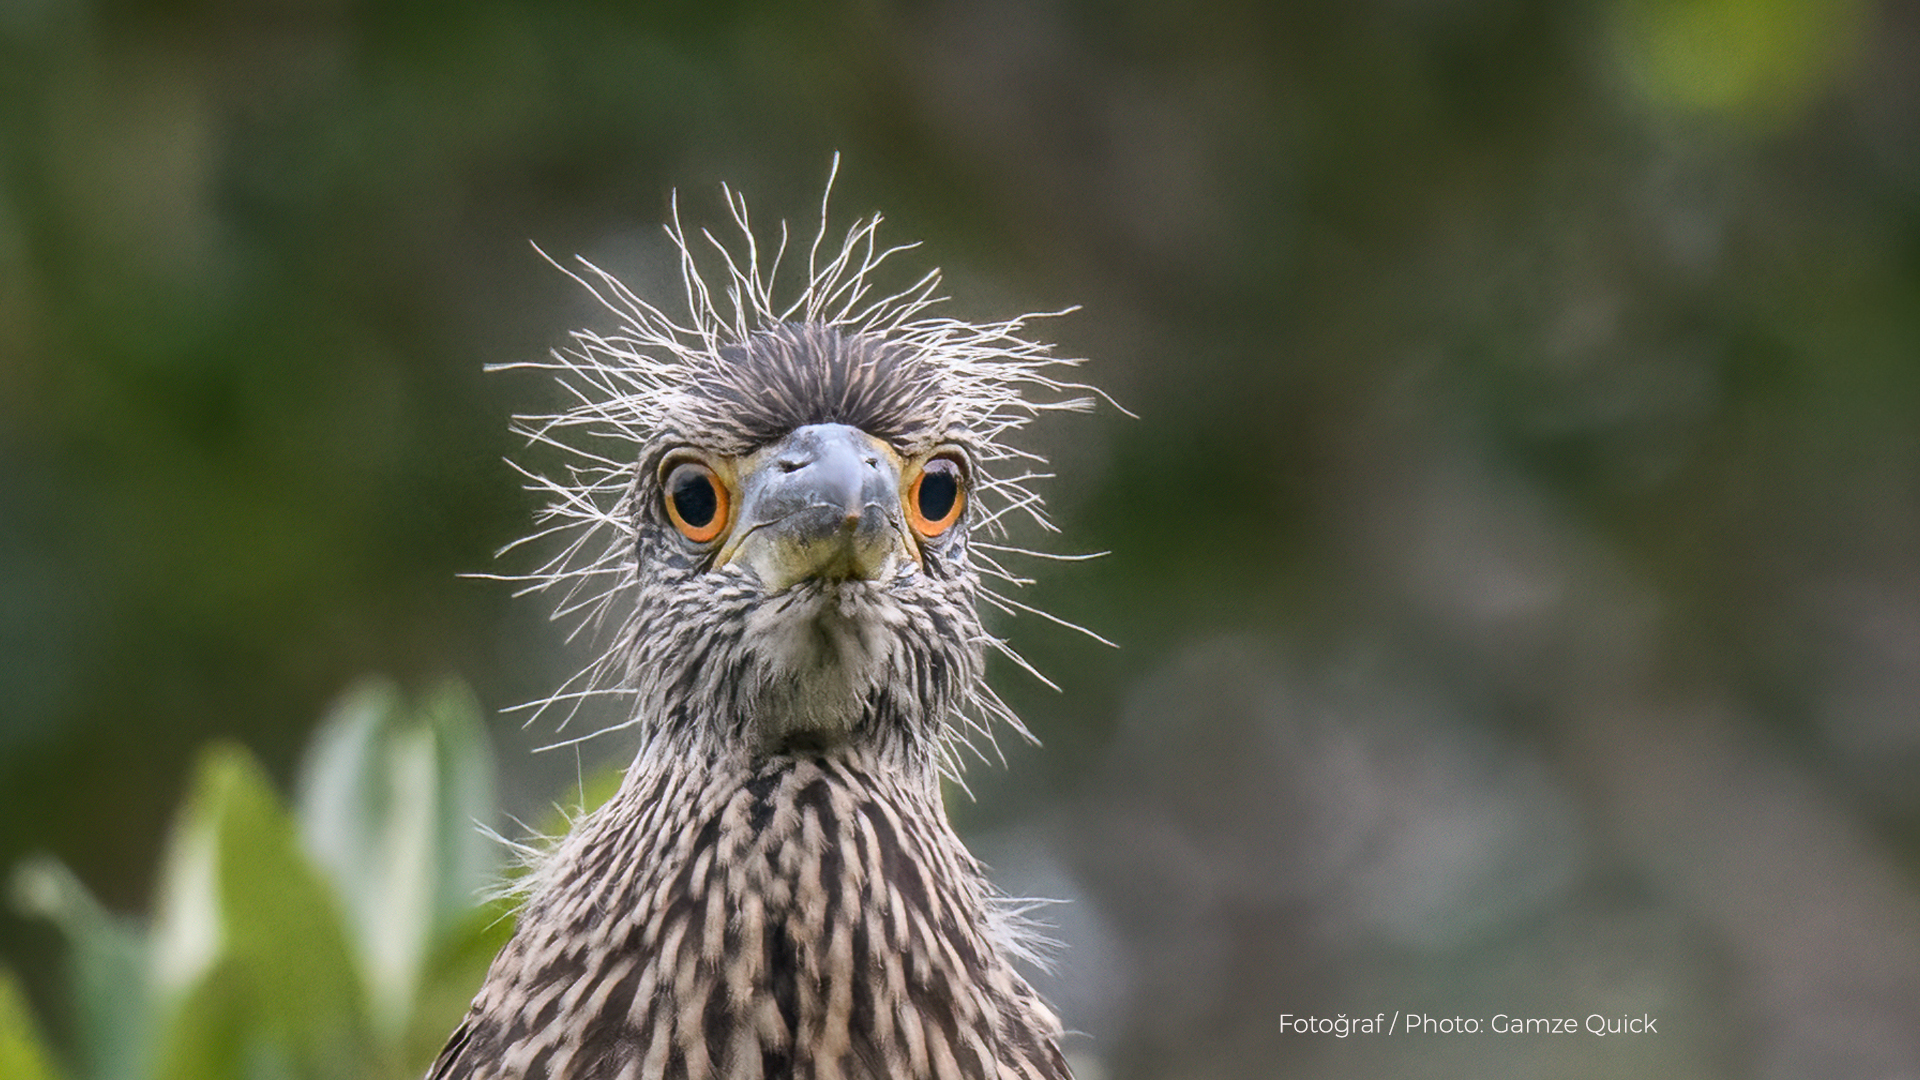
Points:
(939, 489)
(693, 496)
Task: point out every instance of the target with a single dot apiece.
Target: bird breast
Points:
(707, 925)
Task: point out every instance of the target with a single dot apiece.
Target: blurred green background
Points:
(1516, 557)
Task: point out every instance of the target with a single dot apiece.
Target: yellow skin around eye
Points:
(733, 478)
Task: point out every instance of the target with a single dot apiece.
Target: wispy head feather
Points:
(825, 348)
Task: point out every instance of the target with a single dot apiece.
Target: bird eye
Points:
(696, 501)
(935, 500)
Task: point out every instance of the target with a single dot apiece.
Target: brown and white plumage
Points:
(775, 890)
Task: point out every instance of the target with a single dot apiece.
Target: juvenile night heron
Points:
(783, 507)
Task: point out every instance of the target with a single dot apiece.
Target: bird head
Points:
(782, 502)
(800, 532)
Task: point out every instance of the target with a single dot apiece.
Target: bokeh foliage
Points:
(343, 939)
(1516, 558)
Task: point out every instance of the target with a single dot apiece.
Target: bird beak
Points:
(821, 504)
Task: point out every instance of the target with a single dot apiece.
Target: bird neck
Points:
(740, 721)
(772, 913)
(897, 758)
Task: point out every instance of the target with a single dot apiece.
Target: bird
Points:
(785, 500)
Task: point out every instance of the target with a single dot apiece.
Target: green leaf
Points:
(23, 1056)
(107, 967)
(249, 947)
(345, 946)
(390, 804)
(453, 974)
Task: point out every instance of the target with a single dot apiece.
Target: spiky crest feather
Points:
(662, 373)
